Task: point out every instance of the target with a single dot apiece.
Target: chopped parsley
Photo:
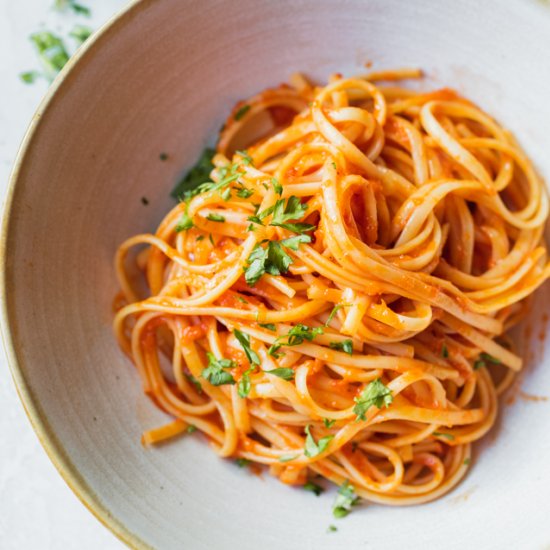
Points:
(332, 529)
(52, 54)
(77, 8)
(288, 458)
(195, 382)
(242, 300)
(198, 174)
(345, 345)
(242, 462)
(345, 499)
(215, 218)
(294, 242)
(328, 423)
(247, 159)
(375, 394)
(313, 487)
(244, 192)
(467, 461)
(216, 372)
(244, 340)
(185, 222)
(268, 326)
(191, 429)
(277, 187)
(282, 372)
(444, 351)
(243, 387)
(314, 448)
(272, 259)
(282, 213)
(295, 336)
(333, 313)
(450, 437)
(241, 112)
(485, 358)
(81, 33)
(29, 77)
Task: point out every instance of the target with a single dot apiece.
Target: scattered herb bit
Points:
(277, 187)
(241, 112)
(375, 394)
(334, 165)
(288, 458)
(271, 259)
(199, 238)
(145, 201)
(81, 33)
(332, 529)
(345, 345)
(244, 340)
(328, 423)
(294, 242)
(226, 194)
(314, 448)
(333, 313)
(268, 326)
(242, 462)
(260, 216)
(195, 382)
(163, 156)
(29, 77)
(485, 358)
(211, 239)
(295, 336)
(51, 52)
(215, 218)
(79, 9)
(244, 193)
(185, 222)
(242, 300)
(444, 351)
(247, 159)
(243, 387)
(282, 372)
(313, 487)
(467, 461)
(191, 429)
(198, 174)
(450, 437)
(215, 373)
(293, 210)
(345, 499)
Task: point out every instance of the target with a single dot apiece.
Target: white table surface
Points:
(37, 509)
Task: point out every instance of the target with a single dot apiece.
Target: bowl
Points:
(160, 78)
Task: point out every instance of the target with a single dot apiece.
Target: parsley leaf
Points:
(271, 259)
(242, 462)
(247, 159)
(313, 487)
(81, 33)
(314, 448)
(51, 52)
(268, 326)
(294, 242)
(375, 394)
(79, 9)
(328, 423)
(29, 77)
(281, 372)
(485, 358)
(295, 336)
(199, 173)
(244, 340)
(185, 222)
(215, 372)
(215, 218)
(244, 193)
(450, 437)
(241, 112)
(277, 187)
(293, 210)
(333, 313)
(191, 429)
(345, 499)
(332, 528)
(243, 387)
(444, 351)
(287, 458)
(195, 382)
(345, 345)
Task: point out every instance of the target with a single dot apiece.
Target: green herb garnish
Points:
(79, 9)
(345, 499)
(191, 429)
(450, 437)
(241, 112)
(244, 340)
(242, 462)
(215, 218)
(444, 351)
(51, 52)
(282, 372)
(313, 487)
(277, 187)
(375, 394)
(268, 326)
(243, 387)
(81, 33)
(185, 222)
(295, 336)
(198, 174)
(216, 372)
(314, 448)
(345, 345)
(328, 423)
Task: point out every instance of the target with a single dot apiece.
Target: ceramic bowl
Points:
(160, 78)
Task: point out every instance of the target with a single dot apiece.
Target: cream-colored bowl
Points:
(160, 78)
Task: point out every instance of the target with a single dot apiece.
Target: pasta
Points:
(334, 302)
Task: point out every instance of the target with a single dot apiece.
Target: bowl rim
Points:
(8, 333)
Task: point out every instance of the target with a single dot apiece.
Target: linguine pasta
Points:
(334, 301)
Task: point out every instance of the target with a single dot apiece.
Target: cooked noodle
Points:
(418, 226)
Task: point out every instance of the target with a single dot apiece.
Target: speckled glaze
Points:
(160, 78)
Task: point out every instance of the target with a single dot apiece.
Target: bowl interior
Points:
(161, 79)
